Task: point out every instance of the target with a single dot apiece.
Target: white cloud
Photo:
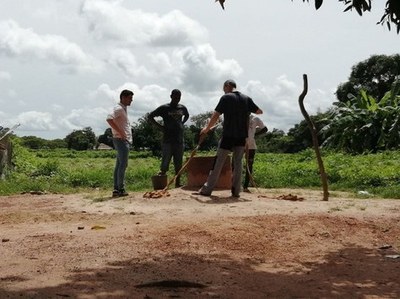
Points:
(109, 20)
(193, 69)
(202, 71)
(5, 76)
(12, 93)
(25, 43)
(57, 108)
(78, 119)
(155, 49)
(280, 101)
(126, 61)
(35, 121)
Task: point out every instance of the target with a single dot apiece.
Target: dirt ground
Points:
(189, 246)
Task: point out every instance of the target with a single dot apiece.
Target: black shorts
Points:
(228, 143)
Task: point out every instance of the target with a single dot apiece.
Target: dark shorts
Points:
(228, 143)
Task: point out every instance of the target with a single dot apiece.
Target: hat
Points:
(231, 83)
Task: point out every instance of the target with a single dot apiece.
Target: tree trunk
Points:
(313, 130)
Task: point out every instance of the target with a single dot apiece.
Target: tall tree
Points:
(146, 136)
(375, 75)
(81, 139)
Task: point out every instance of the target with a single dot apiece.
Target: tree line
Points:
(365, 118)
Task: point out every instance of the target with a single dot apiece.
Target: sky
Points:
(63, 63)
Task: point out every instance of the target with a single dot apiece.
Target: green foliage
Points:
(33, 142)
(147, 136)
(275, 141)
(376, 173)
(375, 75)
(199, 121)
(300, 134)
(67, 171)
(363, 124)
(81, 139)
(106, 138)
(74, 171)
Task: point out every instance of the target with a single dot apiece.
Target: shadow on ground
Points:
(353, 272)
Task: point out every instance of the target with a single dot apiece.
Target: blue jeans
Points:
(122, 147)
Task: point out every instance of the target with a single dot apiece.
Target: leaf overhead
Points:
(221, 2)
(318, 3)
(391, 14)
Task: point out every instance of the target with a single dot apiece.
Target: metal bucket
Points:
(159, 181)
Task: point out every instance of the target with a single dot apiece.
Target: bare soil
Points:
(189, 246)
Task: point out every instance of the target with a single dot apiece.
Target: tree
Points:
(56, 143)
(33, 142)
(300, 134)
(375, 75)
(363, 124)
(275, 141)
(147, 136)
(211, 139)
(106, 138)
(81, 139)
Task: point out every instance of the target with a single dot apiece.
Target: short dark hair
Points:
(230, 83)
(175, 92)
(125, 93)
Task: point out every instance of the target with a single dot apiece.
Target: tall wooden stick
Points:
(313, 130)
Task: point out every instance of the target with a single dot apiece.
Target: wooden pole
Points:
(313, 130)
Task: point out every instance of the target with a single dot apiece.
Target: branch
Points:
(313, 130)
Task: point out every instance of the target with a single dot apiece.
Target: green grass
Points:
(67, 171)
(378, 174)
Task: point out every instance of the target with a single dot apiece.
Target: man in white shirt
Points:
(122, 138)
(256, 127)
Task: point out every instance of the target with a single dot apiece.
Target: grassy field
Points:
(66, 171)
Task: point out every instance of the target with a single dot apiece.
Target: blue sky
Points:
(63, 63)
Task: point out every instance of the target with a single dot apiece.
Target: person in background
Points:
(122, 138)
(235, 108)
(174, 115)
(256, 128)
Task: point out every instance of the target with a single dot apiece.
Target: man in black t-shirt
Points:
(174, 115)
(236, 108)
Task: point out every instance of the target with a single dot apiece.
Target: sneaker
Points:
(122, 192)
(115, 193)
(246, 190)
(201, 193)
